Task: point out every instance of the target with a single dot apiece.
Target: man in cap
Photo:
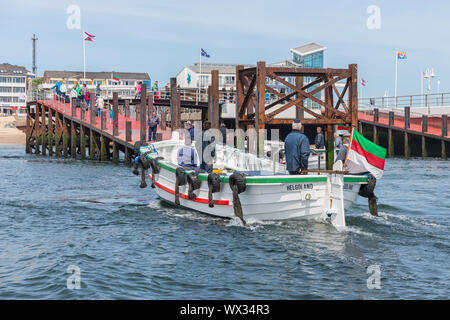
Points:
(297, 150)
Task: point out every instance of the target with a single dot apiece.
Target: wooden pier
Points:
(58, 128)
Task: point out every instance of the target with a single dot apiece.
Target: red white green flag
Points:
(364, 155)
(114, 77)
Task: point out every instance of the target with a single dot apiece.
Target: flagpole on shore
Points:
(200, 78)
(396, 67)
(421, 87)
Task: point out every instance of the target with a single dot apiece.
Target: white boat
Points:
(270, 193)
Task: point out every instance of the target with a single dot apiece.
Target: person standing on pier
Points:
(155, 90)
(87, 98)
(153, 123)
(297, 150)
(98, 91)
(320, 140)
(138, 90)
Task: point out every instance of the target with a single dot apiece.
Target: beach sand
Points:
(9, 134)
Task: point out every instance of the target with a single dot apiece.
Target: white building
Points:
(189, 77)
(13, 88)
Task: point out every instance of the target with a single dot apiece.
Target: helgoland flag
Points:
(365, 155)
(114, 77)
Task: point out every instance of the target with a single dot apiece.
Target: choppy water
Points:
(127, 244)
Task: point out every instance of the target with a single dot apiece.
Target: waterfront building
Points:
(13, 88)
(125, 86)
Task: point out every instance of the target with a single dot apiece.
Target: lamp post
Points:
(429, 75)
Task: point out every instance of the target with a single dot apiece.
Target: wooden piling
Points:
(44, 131)
(424, 130)
(73, 140)
(37, 130)
(82, 142)
(407, 147)
(103, 152)
(65, 147)
(213, 98)
(150, 107)
(260, 117)
(93, 110)
(444, 133)
(128, 131)
(115, 153)
(28, 131)
(50, 133)
(390, 135)
(174, 105)
(375, 134)
(103, 120)
(127, 108)
(58, 134)
(92, 144)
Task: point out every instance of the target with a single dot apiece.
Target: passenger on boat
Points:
(297, 150)
(186, 155)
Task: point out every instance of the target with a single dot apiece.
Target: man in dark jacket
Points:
(297, 150)
(153, 123)
(320, 141)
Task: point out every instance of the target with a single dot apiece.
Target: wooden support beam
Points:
(103, 151)
(443, 150)
(103, 120)
(83, 141)
(407, 117)
(329, 134)
(407, 147)
(424, 123)
(128, 131)
(375, 134)
(28, 130)
(143, 115)
(127, 108)
(444, 130)
(376, 115)
(115, 113)
(390, 134)
(115, 153)
(175, 107)
(65, 146)
(93, 110)
(50, 133)
(92, 145)
(299, 109)
(37, 129)
(260, 117)
(424, 147)
(58, 134)
(353, 94)
(44, 130)
(214, 106)
(239, 98)
(127, 156)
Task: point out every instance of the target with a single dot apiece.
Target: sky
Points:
(161, 37)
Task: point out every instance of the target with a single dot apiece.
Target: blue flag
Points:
(204, 54)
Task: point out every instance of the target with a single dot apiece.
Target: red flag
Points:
(89, 35)
(88, 39)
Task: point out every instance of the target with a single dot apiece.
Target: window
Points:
(5, 99)
(5, 79)
(18, 89)
(5, 89)
(19, 79)
(229, 79)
